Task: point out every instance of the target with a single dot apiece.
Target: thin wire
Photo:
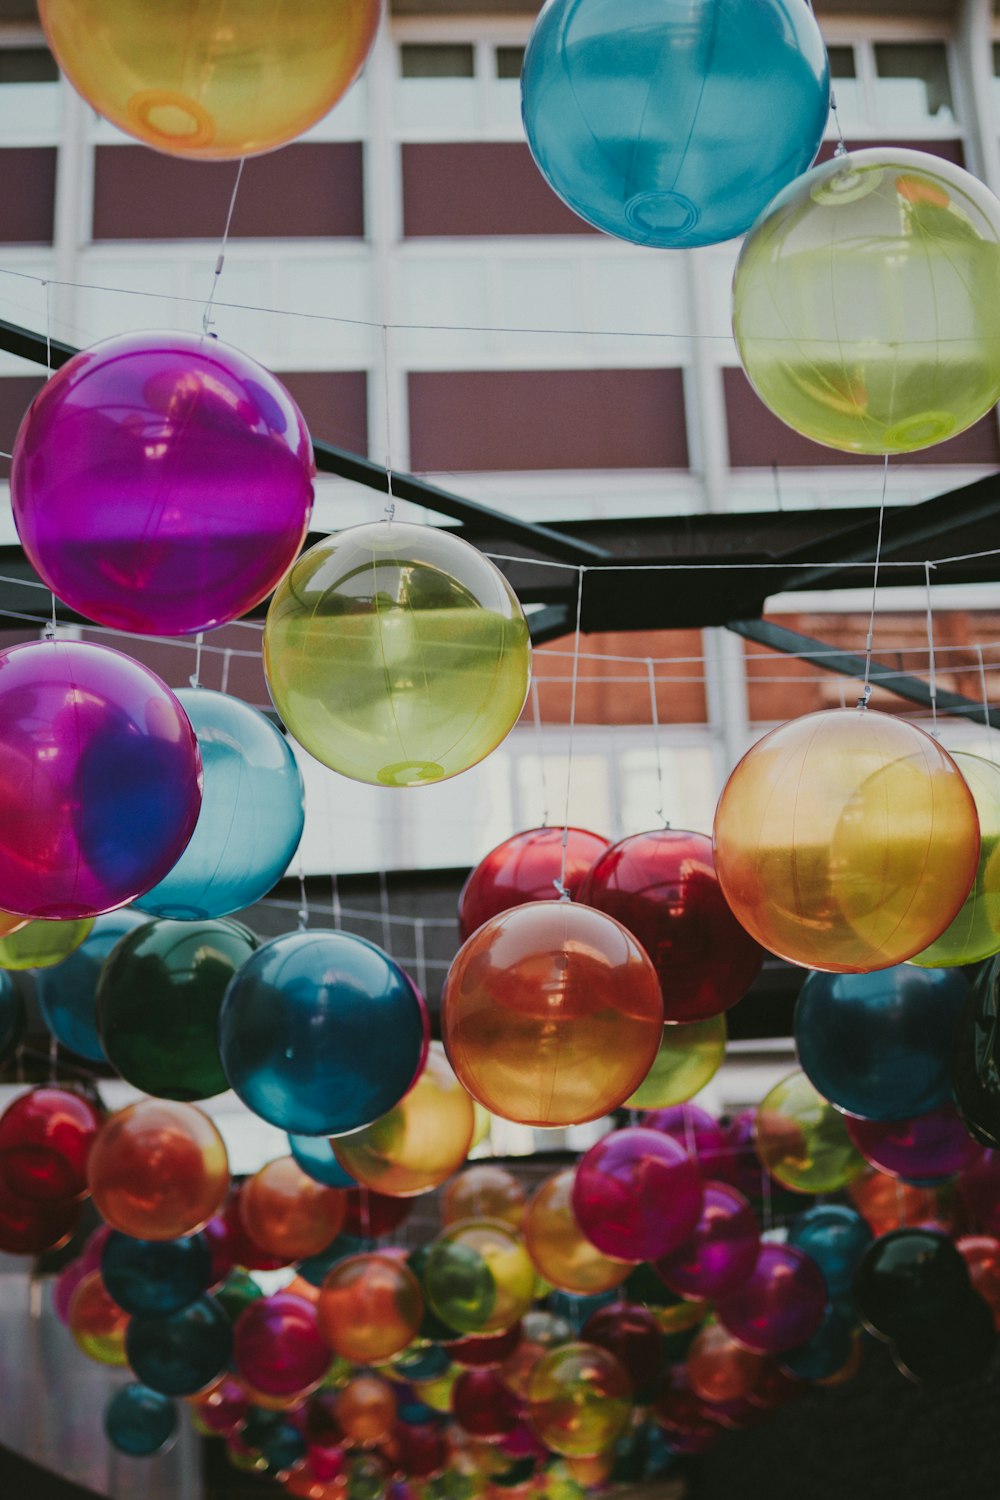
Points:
(391, 508)
(841, 147)
(866, 691)
(931, 673)
(338, 918)
(206, 318)
(303, 909)
(658, 749)
(561, 883)
(383, 894)
(540, 742)
(420, 954)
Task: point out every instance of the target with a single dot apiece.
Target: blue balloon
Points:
(879, 1045)
(422, 1363)
(155, 1276)
(139, 1421)
(251, 818)
(180, 1353)
(314, 1155)
(836, 1237)
(283, 1447)
(320, 1033)
(13, 1015)
(673, 123)
(826, 1352)
(316, 1268)
(67, 992)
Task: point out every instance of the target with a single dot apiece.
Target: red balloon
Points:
(45, 1140)
(483, 1405)
(637, 1194)
(484, 1352)
(277, 1346)
(524, 868)
(662, 886)
(28, 1227)
(420, 1449)
(371, 1215)
(686, 1422)
(223, 1408)
(936, 1144)
(633, 1336)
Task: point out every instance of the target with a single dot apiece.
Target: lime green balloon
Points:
(397, 655)
(866, 302)
(802, 1140)
(975, 932)
(41, 945)
(690, 1055)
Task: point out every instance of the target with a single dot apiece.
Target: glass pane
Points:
(996, 59)
(913, 84)
(27, 65)
(841, 62)
(509, 60)
(446, 60)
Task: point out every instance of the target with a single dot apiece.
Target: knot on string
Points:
(303, 917)
(390, 512)
(564, 894)
(866, 693)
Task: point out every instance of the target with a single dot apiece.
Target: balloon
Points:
(372, 1215)
(843, 291)
(420, 1142)
(421, 1450)
(67, 995)
(737, 1161)
(960, 1351)
(889, 1203)
(979, 1193)
(478, 1277)
(540, 1331)
(287, 1213)
(634, 112)
(370, 1307)
(155, 1276)
(240, 1249)
(182, 1352)
(283, 1448)
(579, 1400)
(690, 1055)
(222, 1408)
(559, 1250)
(695, 1129)
(975, 932)
(39, 945)
(483, 1353)
(662, 886)
(878, 1045)
(65, 1284)
(719, 1368)
(637, 1194)
(835, 1237)
(314, 1154)
(158, 1170)
(183, 488)
(872, 857)
(252, 813)
(526, 867)
(827, 1352)
(320, 1032)
(483, 1191)
(551, 1014)
(396, 654)
(802, 1140)
(936, 1144)
(45, 1140)
(140, 1422)
(975, 1066)
(780, 1305)
(907, 1279)
(237, 1292)
(158, 1002)
(721, 1250)
(633, 1336)
(483, 1406)
(30, 1227)
(97, 1323)
(366, 1409)
(103, 782)
(981, 1253)
(277, 1346)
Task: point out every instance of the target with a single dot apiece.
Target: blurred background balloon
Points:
(278, 1348)
(720, 1251)
(96, 1321)
(975, 932)
(155, 1276)
(579, 1399)
(287, 1213)
(478, 1277)
(140, 1422)
(314, 1154)
(45, 1140)
(802, 1140)
(39, 945)
(780, 1305)
(559, 1250)
(690, 1055)
(836, 1237)
(483, 1191)
(526, 867)
(67, 992)
(370, 1307)
(935, 1144)
(182, 1352)
(975, 1064)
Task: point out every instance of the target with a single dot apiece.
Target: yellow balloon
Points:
(846, 840)
(41, 944)
(866, 302)
(975, 932)
(397, 655)
(557, 1245)
(802, 1140)
(201, 79)
(690, 1055)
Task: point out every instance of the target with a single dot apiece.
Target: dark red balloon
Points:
(28, 1227)
(218, 1237)
(322, 1426)
(277, 1346)
(737, 1161)
(633, 1336)
(45, 1140)
(687, 1423)
(484, 1353)
(663, 887)
(483, 1405)
(420, 1449)
(372, 1215)
(524, 868)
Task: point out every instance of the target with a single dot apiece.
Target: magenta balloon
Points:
(637, 1194)
(93, 1250)
(738, 1162)
(721, 1251)
(100, 779)
(932, 1145)
(780, 1305)
(696, 1130)
(277, 1346)
(65, 1285)
(162, 483)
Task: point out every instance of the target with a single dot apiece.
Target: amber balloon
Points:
(846, 840)
(370, 1307)
(158, 1169)
(366, 1409)
(287, 1213)
(558, 1248)
(484, 1192)
(551, 1014)
(721, 1369)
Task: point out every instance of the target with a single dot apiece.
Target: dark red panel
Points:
(313, 189)
(949, 150)
(480, 188)
(16, 394)
(334, 404)
(547, 419)
(27, 213)
(759, 439)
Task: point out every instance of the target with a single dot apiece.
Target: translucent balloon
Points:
(975, 932)
(879, 1045)
(370, 1307)
(397, 654)
(140, 1422)
(420, 1142)
(39, 945)
(579, 1400)
(103, 782)
(222, 1409)
(97, 1323)
(277, 1346)
(67, 993)
(483, 1191)
(65, 1284)
(868, 862)
(314, 1154)
(843, 292)
(239, 1248)
(886, 1203)
(181, 83)
(803, 1141)
(155, 1276)
(637, 1194)
(721, 1250)
(780, 1305)
(936, 1144)
(719, 1368)
(526, 867)
(287, 1213)
(690, 1055)
(633, 110)
(551, 1014)
(183, 489)
(836, 1237)
(483, 1406)
(320, 1032)
(158, 1170)
(486, 1352)
(45, 1140)
(827, 1352)
(634, 1337)
(366, 1409)
(908, 1277)
(662, 886)
(372, 1215)
(981, 1253)
(559, 1250)
(29, 1227)
(478, 1276)
(540, 1331)
(182, 1352)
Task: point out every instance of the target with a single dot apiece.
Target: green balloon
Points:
(236, 1293)
(41, 944)
(975, 933)
(158, 1001)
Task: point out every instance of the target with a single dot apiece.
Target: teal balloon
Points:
(316, 1268)
(180, 1353)
(67, 993)
(314, 1154)
(826, 1352)
(140, 1422)
(13, 1015)
(155, 1276)
(836, 1237)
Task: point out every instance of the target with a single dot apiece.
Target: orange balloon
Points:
(846, 840)
(484, 1192)
(551, 1014)
(540, 1332)
(370, 1307)
(981, 1253)
(558, 1248)
(158, 1169)
(420, 1142)
(887, 1203)
(97, 1323)
(593, 1471)
(719, 1368)
(287, 1213)
(366, 1410)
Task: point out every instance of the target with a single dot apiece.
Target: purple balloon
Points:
(65, 1285)
(100, 779)
(696, 1130)
(162, 483)
(637, 1194)
(781, 1304)
(721, 1252)
(928, 1146)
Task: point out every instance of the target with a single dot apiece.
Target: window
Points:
(509, 61)
(434, 60)
(842, 63)
(27, 65)
(912, 84)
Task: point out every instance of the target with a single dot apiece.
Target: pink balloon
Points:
(933, 1145)
(637, 1194)
(721, 1251)
(780, 1305)
(65, 1285)
(277, 1346)
(696, 1130)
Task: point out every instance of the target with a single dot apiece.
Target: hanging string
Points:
(227, 657)
(206, 318)
(866, 691)
(338, 916)
(51, 628)
(420, 954)
(931, 674)
(657, 747)
(560, 884)
(540, 742)
(195, 678)
(841, 147)
(303, 911)
(390, 509)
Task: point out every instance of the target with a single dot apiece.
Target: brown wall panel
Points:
(16, 394)
(28, 175)
(680, 693)
(313, 189)
(334, 404)
(547, 419)
(949, 150)
(480, 188)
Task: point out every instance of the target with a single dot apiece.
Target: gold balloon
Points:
(41, 944)
(975, 932)
(558, 1248)
(802, 1140)
(483, 1192)
(690, 1055)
